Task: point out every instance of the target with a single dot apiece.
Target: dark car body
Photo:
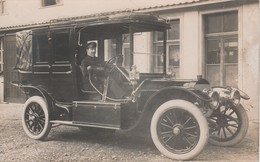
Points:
(49, 66)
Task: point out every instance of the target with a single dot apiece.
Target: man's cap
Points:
(91, 45)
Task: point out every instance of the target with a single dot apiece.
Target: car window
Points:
(61, 46)
(41, 48)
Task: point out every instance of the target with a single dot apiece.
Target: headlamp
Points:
(214, 99)
(228, 94)
(235, 97)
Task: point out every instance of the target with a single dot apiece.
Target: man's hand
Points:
(91, 68)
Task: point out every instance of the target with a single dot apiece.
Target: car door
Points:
(62, 59)
(41, 59)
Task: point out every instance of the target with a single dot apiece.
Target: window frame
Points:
(36, 34)
(221, 36)
(57, 3)
(2, 7)
(169, 42)
(53, 46)
(1, 54)
(125, 46)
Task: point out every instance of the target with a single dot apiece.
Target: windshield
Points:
(141, 51)
(146, 57)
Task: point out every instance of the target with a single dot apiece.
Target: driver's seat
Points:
(86, 90)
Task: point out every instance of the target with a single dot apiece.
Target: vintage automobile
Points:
(130, 91)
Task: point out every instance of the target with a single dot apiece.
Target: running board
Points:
(71, 123)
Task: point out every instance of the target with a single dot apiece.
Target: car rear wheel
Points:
(35, 118)
(179, 130)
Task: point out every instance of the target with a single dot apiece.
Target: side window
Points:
(41, 48)
(61, 46)
(50, 2)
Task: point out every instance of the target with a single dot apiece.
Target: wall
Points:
(190, 43)
(249, 75)
(30, 11)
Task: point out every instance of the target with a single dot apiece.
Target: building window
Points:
(1, 55)
(172, 49)
(50, 2)
(125, 49)
(221, 33)
(2, 7)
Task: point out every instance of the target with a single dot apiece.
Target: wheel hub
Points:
(222, 121)
(34, 116)
(176, 130)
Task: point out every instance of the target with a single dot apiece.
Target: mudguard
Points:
(176, 94)
(31, 90)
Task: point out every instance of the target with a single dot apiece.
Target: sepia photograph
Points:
(129, 80)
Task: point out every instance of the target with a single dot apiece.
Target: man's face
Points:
(91, 51)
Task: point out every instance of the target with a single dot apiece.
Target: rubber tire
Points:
(47, 126)
(191, 108)
(241, 134)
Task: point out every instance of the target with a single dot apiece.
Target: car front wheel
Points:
(228, 125)
(35, 118)
(179, 130)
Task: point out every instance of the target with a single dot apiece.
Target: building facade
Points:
(218, 39)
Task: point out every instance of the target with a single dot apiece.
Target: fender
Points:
(176, 94)
(40, 91)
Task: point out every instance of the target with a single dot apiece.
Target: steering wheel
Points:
(112, 60)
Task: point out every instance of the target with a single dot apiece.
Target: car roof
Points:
(121, 22)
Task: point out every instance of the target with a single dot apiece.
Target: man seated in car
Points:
(91, 67)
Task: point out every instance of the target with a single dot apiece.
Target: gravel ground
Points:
(66, 143)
